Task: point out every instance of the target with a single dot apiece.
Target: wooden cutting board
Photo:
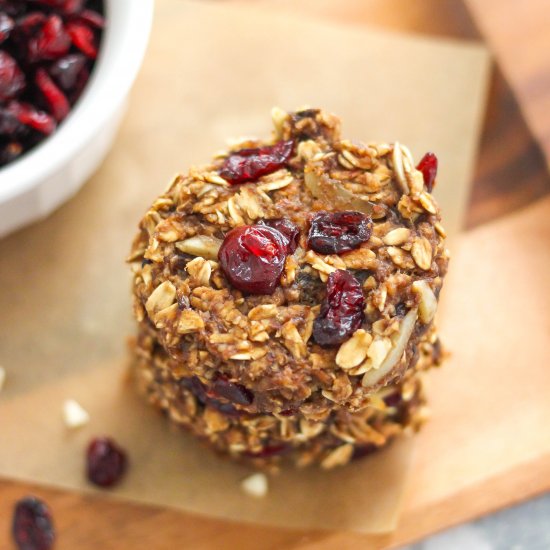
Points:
(485, 482)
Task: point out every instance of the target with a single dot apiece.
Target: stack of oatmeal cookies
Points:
(285, 295)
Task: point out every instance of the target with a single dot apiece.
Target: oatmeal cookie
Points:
(305, 269)
(332, 438)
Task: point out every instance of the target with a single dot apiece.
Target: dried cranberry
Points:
(250, 164)
(32, 526)
(9, 125)
(51, 41)
(12, 79)
(43, 67)
(7, 24)
(199, 390)
(428, 167)
(361, 451)
(393, 399)
(83, 38)
(287, 229)
(337, 232)
(253, 258)
(227, 409)
(236, 393)
(29, 116)
(66, 6)
(196, 387)
(91, 18)
(268, 451)
(106, 462)
(342, 310)
(29, 22)
(81, 81)
(66, 70)
(58, 103)
(11, 7)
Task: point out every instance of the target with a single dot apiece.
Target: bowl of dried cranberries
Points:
(66, 68)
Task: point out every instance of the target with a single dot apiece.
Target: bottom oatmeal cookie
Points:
(299, 437)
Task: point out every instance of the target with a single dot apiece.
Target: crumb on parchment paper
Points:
(74, 415)
(255, 485)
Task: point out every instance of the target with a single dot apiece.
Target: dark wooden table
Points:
(511, 173)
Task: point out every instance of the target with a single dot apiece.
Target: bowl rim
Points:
(121, 53)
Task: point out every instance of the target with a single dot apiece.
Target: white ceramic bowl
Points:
(34, 185)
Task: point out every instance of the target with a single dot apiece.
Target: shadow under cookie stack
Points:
(285, 295)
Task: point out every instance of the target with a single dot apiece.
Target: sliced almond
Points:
(427, 201)
(264, 311)
(397, 236)
(233, 209)
(421, 252)
(318, 263)
(189, 321)
(247, 201)
(201, 245)
(241, 357)
(353, 352)
(165, 316)
(308, 149)
(416, 181)
(162, 297)
(428, 302)
(213, 177)
(275, 185)
(199, 269)
(378, 351)
(400, 258)
(362, 258)
(310, 428)
(2, 377)
(168, 233)
(399, 341)
(397, 161)
(441, 230)
(293, 341)
(338, 457)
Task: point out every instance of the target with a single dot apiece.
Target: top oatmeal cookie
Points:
(305, 268)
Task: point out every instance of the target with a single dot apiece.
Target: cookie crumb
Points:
(255, 485)
(74, 415)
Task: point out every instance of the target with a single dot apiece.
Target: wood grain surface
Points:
(511, 173)
(518, 34)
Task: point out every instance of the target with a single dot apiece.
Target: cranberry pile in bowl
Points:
(47, 51)
(66, 67)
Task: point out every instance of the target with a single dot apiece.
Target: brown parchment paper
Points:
(212, 72)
